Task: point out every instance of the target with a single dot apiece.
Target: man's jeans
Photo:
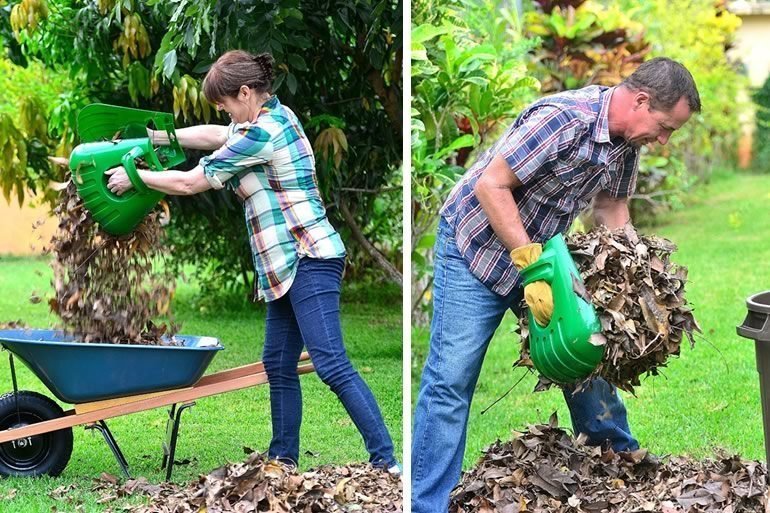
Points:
(309, 315)
(465, 316)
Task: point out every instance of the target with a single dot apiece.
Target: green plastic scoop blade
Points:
(114, 136)
(563, 351)
(102, 122)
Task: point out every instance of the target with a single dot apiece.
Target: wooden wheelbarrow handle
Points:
(217, 383)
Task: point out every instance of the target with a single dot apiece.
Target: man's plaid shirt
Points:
(270, 165)
(561, 151)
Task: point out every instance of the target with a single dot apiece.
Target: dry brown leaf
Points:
(547, 461)
(107, 288)
(260, 485)
(639, 297)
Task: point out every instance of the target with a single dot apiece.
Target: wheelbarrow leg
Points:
(15, 385)
(112, 443)
(172, 433)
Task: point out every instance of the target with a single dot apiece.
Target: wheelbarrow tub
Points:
(77, 372)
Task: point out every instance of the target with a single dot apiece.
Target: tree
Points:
(338, 68)
(469, 79)
(762, 133)
(709, 140)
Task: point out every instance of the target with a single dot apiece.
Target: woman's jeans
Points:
(309, 315)
(465, 316)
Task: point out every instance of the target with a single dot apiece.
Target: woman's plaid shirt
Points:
(561, 151)
(270, 165)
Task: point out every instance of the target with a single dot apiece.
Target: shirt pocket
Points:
(569, 176)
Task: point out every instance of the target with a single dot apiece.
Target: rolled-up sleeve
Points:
(248, 146)
(624, 185)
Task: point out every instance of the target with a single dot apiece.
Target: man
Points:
(561, 152)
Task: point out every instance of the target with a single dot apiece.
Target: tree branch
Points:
(371, 191)
(390, 270)
(650, 197)
(390, 96)
(418, 297)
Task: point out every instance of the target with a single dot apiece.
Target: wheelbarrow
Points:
(103, 381)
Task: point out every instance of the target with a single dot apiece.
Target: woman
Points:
(266, 159)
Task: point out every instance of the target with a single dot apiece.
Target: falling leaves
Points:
(546, 470)
(639, 297)
(109, 288)
(257, 484)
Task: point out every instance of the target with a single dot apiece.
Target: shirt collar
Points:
(601, 133)
(270, 104)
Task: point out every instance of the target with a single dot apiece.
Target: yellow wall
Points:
(16, 234)
(752, 42)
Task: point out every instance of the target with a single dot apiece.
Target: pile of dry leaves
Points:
(13, 325)
(259, 485)
(546, 470)
(108, 288)
(639, 296)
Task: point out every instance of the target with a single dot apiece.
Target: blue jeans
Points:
(309, 315)
(465, 316)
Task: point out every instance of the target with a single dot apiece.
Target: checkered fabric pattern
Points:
(561, 150)
(269, 164)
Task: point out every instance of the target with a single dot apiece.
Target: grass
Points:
(217, 429)
(707, 399)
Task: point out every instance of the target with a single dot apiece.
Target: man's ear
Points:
(641, 98)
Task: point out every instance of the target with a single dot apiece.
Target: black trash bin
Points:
(756, 326)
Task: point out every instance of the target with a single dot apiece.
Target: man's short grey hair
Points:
(666, 81)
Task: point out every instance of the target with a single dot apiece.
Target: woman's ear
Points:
(244, 92)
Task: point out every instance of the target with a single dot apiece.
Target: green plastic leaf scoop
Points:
(114, 136)
(570, 347)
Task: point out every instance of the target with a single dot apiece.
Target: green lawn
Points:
(708, 398)
(217, 428)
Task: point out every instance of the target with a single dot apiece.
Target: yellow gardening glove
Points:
(538, 295)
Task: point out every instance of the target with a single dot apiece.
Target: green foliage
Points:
(663, 179)
(339, 60)
(469, 79)
(584, 43)
(709, 139)
(24, 141)
(214, 242)
(7, 39)
(762, 132)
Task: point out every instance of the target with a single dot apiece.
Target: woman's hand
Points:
(119, 182)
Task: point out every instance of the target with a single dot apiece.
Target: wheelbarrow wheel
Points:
(47, 453)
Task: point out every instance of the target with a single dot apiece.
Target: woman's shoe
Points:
(395, 470)
(288, 463)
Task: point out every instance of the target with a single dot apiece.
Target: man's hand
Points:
(538, 294)
(611, 212)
